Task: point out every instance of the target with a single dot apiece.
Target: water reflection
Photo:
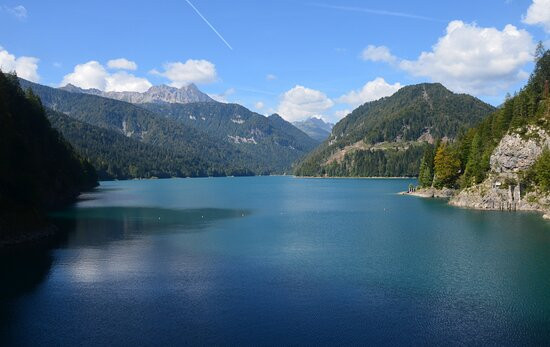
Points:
(99, 225)
(24, 268)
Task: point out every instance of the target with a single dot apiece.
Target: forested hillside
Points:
(386, 137)
(38, 169)
(117, 156)
(177, 146)
(271, 141)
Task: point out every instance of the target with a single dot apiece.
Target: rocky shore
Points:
(502, 189)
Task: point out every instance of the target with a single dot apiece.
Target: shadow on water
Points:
(24, 268)
(95, 226)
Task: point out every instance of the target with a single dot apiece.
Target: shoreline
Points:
(356, 177)
(449, 194)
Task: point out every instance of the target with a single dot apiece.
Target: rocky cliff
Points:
(503, 188)
(155, 94)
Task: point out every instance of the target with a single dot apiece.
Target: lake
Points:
(278, 260)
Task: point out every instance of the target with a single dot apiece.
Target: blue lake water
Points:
(273, 260)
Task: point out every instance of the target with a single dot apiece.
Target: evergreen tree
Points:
(426, 172)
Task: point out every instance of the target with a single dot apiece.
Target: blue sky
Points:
(298, 58)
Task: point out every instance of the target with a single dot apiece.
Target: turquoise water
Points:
(272, 260)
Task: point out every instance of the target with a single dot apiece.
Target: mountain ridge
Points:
(385, 137)
(205, 154)
(159, 93)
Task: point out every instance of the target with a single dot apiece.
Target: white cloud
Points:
(476, 60)
(125, 82)
(372, 90)
(300, 102)
(88, 75)
(539, 14)
(19, 11)
(270, 77)
(94, 75)
(26, 67)
(377, 53)
(192, 71)
(122, 64)
(223, 96)
(259, 105)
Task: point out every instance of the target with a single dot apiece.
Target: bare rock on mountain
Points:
(155, 94)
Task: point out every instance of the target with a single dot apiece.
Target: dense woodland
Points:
(117, 156)
(417, 113)
(465, 162)
(276, 143)
(165, 140)
(38, 169)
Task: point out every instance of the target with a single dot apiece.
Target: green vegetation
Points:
(163, 140)
(539, 174)
(470, 154)
(271, 143)
(370, 163)
(446, 166)
(116, 156)
(414, 114)
(38, 168)
(426, 171)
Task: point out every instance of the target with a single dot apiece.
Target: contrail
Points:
(210, 25)
(378, 12)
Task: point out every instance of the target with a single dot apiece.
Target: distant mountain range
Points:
(160, 94)
(385, 137)
(316, 128)
(163, 139)
(272, 141)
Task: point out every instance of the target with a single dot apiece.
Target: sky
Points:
(300, 59)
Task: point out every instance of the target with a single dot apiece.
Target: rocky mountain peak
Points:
(155, 94)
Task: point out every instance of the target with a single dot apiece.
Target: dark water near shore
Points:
(274, 260)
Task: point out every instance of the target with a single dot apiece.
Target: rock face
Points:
(155, 94)
(502, 189)
(516, 153)
(444, 193)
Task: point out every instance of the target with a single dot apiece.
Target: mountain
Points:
(204, 155)
(115, 155)
(504, 162)
(272, 141)
(200, 152)
(38, 169)
(386, 137)
(160, 94)
(315, 128)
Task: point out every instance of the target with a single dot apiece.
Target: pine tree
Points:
(426, 172)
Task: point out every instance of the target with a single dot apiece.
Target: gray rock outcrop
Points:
(161, 93)
(502, 189)
(516, 153)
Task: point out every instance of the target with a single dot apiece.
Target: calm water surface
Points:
(271, 260)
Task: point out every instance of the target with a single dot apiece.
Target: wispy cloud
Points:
(19, 11)
(378, 12)
(210, 25)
